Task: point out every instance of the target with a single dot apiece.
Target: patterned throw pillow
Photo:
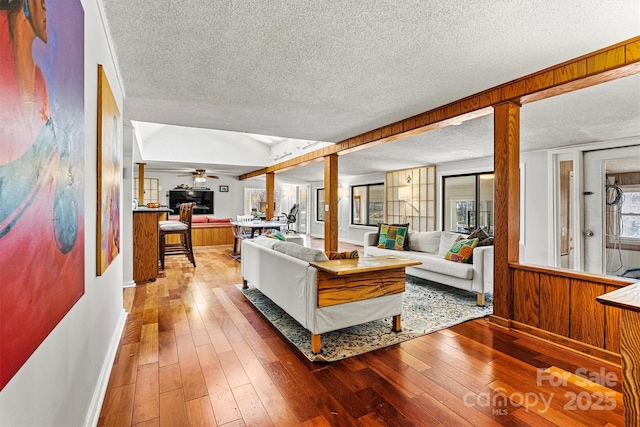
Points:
(479, 234)
(461, 250)
(486, 242)
(406, 238)
(392, 237)
(342, 255)
(277, 235)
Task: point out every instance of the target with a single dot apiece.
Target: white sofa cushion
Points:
(266, 242)
(300, 252)
(431, 262)
(447, 239)
(424, 241)
(439, 264)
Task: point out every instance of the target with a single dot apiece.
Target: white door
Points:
(593, 230)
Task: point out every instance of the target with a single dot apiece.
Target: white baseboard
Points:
(129, 284)
(93, 414)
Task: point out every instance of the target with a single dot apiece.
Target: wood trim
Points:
(140, 186)
(270, 186)
(610, 63)
(500, 321)
(567, 342)
(572, 274)
(506, 202)
(331, 200)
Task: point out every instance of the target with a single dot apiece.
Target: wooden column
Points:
(141, 183)
(331, 202)
(270, 195)
(506, 203)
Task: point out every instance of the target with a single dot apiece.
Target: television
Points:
(203, 199)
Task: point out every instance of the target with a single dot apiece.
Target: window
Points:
(623, 202)
(631, 216)
(320, 204)
(367, 204)
(462, 195)
(255, 200)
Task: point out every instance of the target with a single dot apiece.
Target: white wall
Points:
(226, 147)
(347, 232)
(535, 200)
(224, 204)
(62, 382)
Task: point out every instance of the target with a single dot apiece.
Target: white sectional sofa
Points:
(430, 248)
(281, 271)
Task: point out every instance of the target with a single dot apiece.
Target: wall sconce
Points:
(307, 145)
(342, 192)
(280, 156)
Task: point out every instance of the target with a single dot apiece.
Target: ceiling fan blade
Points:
(213, 176)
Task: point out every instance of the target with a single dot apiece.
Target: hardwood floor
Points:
(195, 352)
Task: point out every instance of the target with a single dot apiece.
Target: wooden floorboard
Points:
(195, 352)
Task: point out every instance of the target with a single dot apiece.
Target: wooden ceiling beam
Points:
(611, 63)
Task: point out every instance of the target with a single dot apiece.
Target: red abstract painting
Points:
(41, 172)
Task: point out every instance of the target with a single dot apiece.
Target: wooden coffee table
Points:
(347, 280)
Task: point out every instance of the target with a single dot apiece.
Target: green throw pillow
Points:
(461, 250)
(277, 235)
(392, 237)
(406, 238)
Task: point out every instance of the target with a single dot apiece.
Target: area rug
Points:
(427, 307)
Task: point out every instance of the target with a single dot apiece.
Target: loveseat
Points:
(430, 247)
(281, 271)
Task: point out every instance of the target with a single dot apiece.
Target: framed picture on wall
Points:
(109, 172)
(224, 188)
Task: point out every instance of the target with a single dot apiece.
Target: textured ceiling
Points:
(329, 70)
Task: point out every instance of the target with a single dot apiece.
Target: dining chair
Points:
(182, 227)
(240, 233)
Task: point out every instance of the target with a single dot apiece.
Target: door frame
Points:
(575, 153)
(575, 214)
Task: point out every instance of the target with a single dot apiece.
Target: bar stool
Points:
(183, 229)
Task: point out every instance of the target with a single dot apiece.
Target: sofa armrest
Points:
(482, 269)
(371, 238)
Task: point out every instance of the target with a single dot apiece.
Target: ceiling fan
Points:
(200, 178)
(202, 174)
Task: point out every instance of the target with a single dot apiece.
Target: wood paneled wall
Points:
(207, 236)
(560, 305)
